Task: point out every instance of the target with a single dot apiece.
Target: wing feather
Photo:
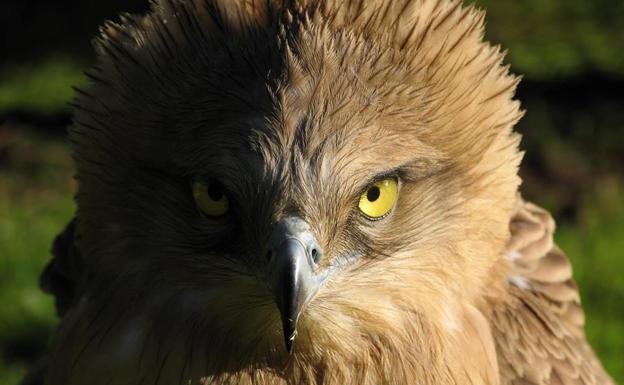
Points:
(539, 327)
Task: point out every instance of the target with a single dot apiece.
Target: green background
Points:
(569, 51)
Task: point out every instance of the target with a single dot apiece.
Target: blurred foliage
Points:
(42, 86)
(557, 38)
(36, 188)
(595, 243)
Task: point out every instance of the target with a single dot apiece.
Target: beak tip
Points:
(289, 335)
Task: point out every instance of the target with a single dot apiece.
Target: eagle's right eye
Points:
(210, 197)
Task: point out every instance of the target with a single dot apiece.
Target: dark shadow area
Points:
(573, 135)
(32, 29)
(52, 123)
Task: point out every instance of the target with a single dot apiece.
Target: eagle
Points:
(306, 192)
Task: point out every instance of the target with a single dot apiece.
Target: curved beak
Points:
(293, 254)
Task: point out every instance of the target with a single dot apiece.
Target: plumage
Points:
(294, 111)
(542, 307)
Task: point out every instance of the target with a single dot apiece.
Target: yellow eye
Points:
(210, 198)
(379, 198)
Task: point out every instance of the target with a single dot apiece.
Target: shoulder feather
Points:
(539, 327)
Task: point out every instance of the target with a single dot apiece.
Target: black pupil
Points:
(373, 194)
(215, 192)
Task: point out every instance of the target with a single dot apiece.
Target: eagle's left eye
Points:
(210, 198)
(379, 198)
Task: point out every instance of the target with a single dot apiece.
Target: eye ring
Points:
(210, 197)
(379, 198)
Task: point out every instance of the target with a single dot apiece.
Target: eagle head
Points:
(287, 192)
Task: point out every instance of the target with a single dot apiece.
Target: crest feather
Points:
(419, 62)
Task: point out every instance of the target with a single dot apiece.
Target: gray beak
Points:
(293, 254)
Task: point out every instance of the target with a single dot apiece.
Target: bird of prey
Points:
(307, 192)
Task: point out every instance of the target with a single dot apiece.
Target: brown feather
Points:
(543, 306)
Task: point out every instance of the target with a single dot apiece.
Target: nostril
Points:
(315, 255)
(269, 255)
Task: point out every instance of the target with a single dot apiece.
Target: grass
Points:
(558, 37)
(35, 203)
(36, 187)
(41, 87)
(596, 246)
